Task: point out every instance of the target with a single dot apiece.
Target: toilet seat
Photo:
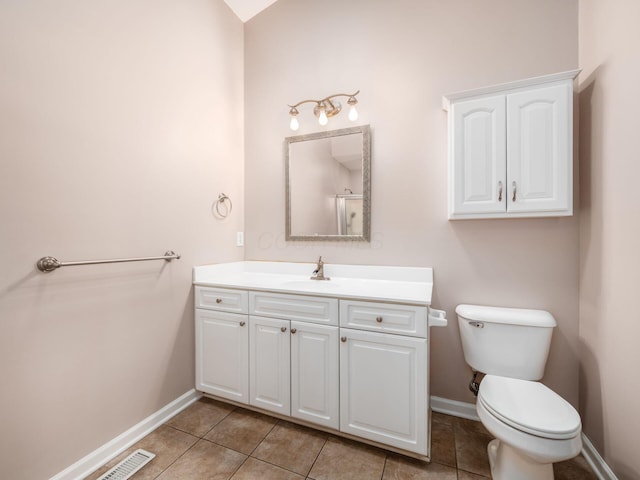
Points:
(530, 407)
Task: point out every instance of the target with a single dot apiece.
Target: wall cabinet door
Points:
(269, 364)
(511, 149)
(383, 388)
(539, 151)
(478, 156)
(315, 373)
(222, 354)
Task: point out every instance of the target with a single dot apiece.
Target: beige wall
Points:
(120, 122)
(404, 55)
(610, 231)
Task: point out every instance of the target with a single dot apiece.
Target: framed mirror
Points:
(328, 185)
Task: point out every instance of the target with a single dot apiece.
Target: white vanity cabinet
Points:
(383, 376)
(269, 364)
(315, 374)
(336, 358)
(511, 149)
(293, 350)
(222, 338)
(293, 369)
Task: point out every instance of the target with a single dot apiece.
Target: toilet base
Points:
(508, 463)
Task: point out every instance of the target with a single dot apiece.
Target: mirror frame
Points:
(365, 130)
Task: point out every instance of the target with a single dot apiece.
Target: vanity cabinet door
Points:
(222, 354)
(383, 388)
(477, 167)
(269, 364)
(314, 373)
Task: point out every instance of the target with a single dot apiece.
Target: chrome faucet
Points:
(318, 273)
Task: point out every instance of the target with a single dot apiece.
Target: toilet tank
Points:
(510, 342)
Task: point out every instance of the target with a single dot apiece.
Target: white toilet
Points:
(534, 427)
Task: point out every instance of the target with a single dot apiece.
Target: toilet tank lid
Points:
(512, 316)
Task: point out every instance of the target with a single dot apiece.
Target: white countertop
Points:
(363, 282)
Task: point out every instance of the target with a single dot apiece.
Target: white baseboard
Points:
(87, 465)
(595, 460)
(454, 407)
(468, 410)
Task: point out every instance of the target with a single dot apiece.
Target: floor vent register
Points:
(130, 465)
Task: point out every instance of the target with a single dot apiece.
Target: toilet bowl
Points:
(534, 428)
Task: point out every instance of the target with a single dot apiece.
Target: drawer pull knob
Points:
(242, 324)
(218, 300)
(379, 319)
(343, 339)
(293, 330)
(283, 329)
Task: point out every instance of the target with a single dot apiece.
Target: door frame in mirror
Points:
(366, 183)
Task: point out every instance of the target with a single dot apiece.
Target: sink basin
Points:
(310, 284)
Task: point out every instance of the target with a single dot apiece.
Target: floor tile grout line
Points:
(455, 447)
(384, 467)
(263, 439)
(279, 422)
(276, 465)
(317, 456)
(239, 466)
(177, 458)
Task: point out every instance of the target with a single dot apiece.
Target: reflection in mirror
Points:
(328, 185)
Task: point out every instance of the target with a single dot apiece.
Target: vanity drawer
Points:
(222, 299)
(294, 307)
(384, 317)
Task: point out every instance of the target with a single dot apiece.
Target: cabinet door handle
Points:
(283, 329)
(218, 300)
(343, 339)
(293, 331)
(379, 319)
(242, 324)
(500, 191)
(515, 189)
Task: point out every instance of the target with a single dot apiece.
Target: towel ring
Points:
(222, 198)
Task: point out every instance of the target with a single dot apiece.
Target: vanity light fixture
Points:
(325, 108)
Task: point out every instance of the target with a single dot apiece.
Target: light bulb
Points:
(353, 113)
(323, 119)
(294, 125)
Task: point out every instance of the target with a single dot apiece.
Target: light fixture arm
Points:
(325, 108)
(326, 99)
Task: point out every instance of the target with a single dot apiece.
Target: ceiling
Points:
(245, 9)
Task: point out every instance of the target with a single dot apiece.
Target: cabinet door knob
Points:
(242, 324)
(283, 329)
(379, 319)
(343, 339)
(515, 189)
(293, 330)
(218, 300)
(500, 191)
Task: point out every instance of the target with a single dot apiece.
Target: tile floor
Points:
(215, 441)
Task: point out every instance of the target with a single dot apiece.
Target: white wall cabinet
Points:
(356, 367)
(511, 149)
